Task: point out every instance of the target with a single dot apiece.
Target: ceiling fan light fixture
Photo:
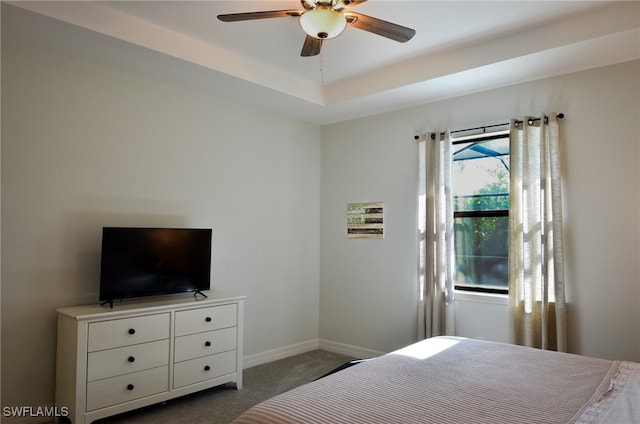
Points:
(323, 22)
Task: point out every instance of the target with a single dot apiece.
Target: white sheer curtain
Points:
(536, 266)
(435, 221)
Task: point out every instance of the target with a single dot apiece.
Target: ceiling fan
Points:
(325, 19)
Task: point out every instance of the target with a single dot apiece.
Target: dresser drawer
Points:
(204, 344)
(201, 369)
(124, 388)
(127, 331)
(127, 359)
(205, 319)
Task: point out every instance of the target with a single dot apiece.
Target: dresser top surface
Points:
(155, 304)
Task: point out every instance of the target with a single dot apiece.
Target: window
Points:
(481, 212)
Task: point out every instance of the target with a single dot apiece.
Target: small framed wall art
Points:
(365, 220)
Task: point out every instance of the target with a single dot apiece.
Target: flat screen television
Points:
(138, 262)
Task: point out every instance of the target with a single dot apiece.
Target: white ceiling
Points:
(460, 47)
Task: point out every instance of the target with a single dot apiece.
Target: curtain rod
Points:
(483, 128)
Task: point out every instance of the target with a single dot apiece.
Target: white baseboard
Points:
(279, 353)
(349, 350)
(303, 347)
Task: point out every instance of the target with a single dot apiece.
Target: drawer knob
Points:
(132, 359)
(130, 387)
(132, 331)
(207, 344)
(208, 319)
(207, 368)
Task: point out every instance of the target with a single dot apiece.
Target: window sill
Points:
(495, 298)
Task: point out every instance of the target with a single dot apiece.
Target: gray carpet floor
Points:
(222, 404)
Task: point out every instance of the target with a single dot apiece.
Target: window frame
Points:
(491, 213)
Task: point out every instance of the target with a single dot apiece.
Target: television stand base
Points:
(110, 302)
(197, 292)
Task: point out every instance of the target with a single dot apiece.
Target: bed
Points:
(459, 380)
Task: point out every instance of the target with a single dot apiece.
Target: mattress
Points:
(458, 380)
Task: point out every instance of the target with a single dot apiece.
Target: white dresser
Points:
(112, 360)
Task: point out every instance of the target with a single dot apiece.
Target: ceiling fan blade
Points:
(378, 26)
(233, 17)
(311, 46)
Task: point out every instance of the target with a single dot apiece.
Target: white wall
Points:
(482, 316)
(85, 147)
(368, 288)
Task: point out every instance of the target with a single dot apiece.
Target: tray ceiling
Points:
(460, 47)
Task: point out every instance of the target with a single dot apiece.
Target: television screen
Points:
(137, 262)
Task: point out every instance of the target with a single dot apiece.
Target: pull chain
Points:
(321, 67)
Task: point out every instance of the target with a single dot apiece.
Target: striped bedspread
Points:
(456, 380)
